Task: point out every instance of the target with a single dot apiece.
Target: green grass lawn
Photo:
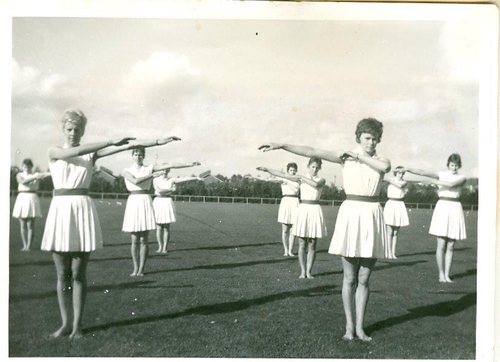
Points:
(225, 290)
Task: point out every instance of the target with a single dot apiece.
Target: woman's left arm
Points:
(316, 184)
(458, 182)
(380, 164)
(165, 166)
(111, 150)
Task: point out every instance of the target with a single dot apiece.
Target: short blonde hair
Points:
(74, 116)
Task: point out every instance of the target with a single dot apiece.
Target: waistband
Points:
(296, 196)
(164, 196)
(449, 199)
(28, 191)
(362, 198)
(71, 192)
(310, 202)
(139, 192)
(396, 198)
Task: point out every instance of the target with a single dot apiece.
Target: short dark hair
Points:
(28, 162)
(313, 160)
(371, 126)
(455, 158)
(398, 169)
(139, 148)
(291, 164)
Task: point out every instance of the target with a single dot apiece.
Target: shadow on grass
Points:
(469, 272)
(442, 309)
(224, 266)
(96, 288)
(387, 265)
(431, 252)
(219, 308)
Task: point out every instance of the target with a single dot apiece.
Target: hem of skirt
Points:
(357, 256)
(138, 231)
(446, 236)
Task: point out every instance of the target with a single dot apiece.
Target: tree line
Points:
(240, 186)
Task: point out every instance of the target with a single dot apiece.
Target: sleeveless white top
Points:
(445, 191)
(361, 179)
(289, 187)
(395, 192)
(307, 192)
(72, 173)
(30, 186)
(164, 186)
(139, 172)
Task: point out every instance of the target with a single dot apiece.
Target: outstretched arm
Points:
(138, 180)
(396, 183)
(179, 180)
(458, 182)
(139, 143)
(30, 178)
(316, 184)
(420, 172)
(271, 180)
(281, 174)
(60, 153)
(165, 166)
(305, 151)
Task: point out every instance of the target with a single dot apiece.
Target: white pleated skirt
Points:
(287, 213)
(139, 214)
(448, 220)
(395, 213)
(72, 225)
(360, 231)
(27, 205)
(164, 208)
(309, 222)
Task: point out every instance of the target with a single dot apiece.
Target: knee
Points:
(64, 276)
(363, 282)
(450, 245)
(349, 281)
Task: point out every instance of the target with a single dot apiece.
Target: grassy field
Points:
(225, 290)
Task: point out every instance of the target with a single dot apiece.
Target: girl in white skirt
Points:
(139, 217)
(360, 235)
(163, 205)
(448, 222)
(287, 212)
(72, 229)
(27, 205)
(395, 213)
(309, 224)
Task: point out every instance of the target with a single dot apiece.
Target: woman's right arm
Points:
(420, 172)
(137, 180)
(279, 174)
(305, 151)
(60, 153)
(25, 180)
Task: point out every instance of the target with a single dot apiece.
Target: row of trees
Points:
(239, 186)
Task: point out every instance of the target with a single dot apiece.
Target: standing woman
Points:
(27, 206)
(139, 216)
(72, 228)
(287, 212)
(309, 225)
(360, 235)
(163, 205)
(395, 213)
(448, 222)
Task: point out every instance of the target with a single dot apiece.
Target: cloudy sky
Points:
(225, 86)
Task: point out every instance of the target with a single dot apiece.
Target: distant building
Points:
(209, 179)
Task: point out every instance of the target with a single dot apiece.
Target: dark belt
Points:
(449, 199)
(167, 196)
(71, 192)
(139, 192)
(296, 196)
(395, 199)
(310, 202)
(362, 198)
(28, 192)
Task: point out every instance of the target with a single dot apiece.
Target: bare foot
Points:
(442, 280)
(309, 276)
(63, 331)
(348, 337)
(291, 254)
(164, 251)
(158, 251)
(448, 280)
(139, 274)
(76, 334)
(302, 276)
(134, 274)
(362, 336)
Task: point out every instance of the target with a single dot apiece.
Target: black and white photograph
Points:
(249, 179)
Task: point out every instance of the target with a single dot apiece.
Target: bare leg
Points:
(390, 239)
(349, 265)
(448, 260)
(362, 295)
(62, 262)
(285, 230)
(134, 252)
(22, 224)
(159, 236)
(143, 253)
(440, 250)
(291, 239)
(311, 256)
(166, 237)
(30, 224)
(302, 257)
(79, 273)
(394, 240)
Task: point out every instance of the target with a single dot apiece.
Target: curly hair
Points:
(74, 116)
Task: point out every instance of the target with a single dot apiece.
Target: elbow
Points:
(387, 168)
